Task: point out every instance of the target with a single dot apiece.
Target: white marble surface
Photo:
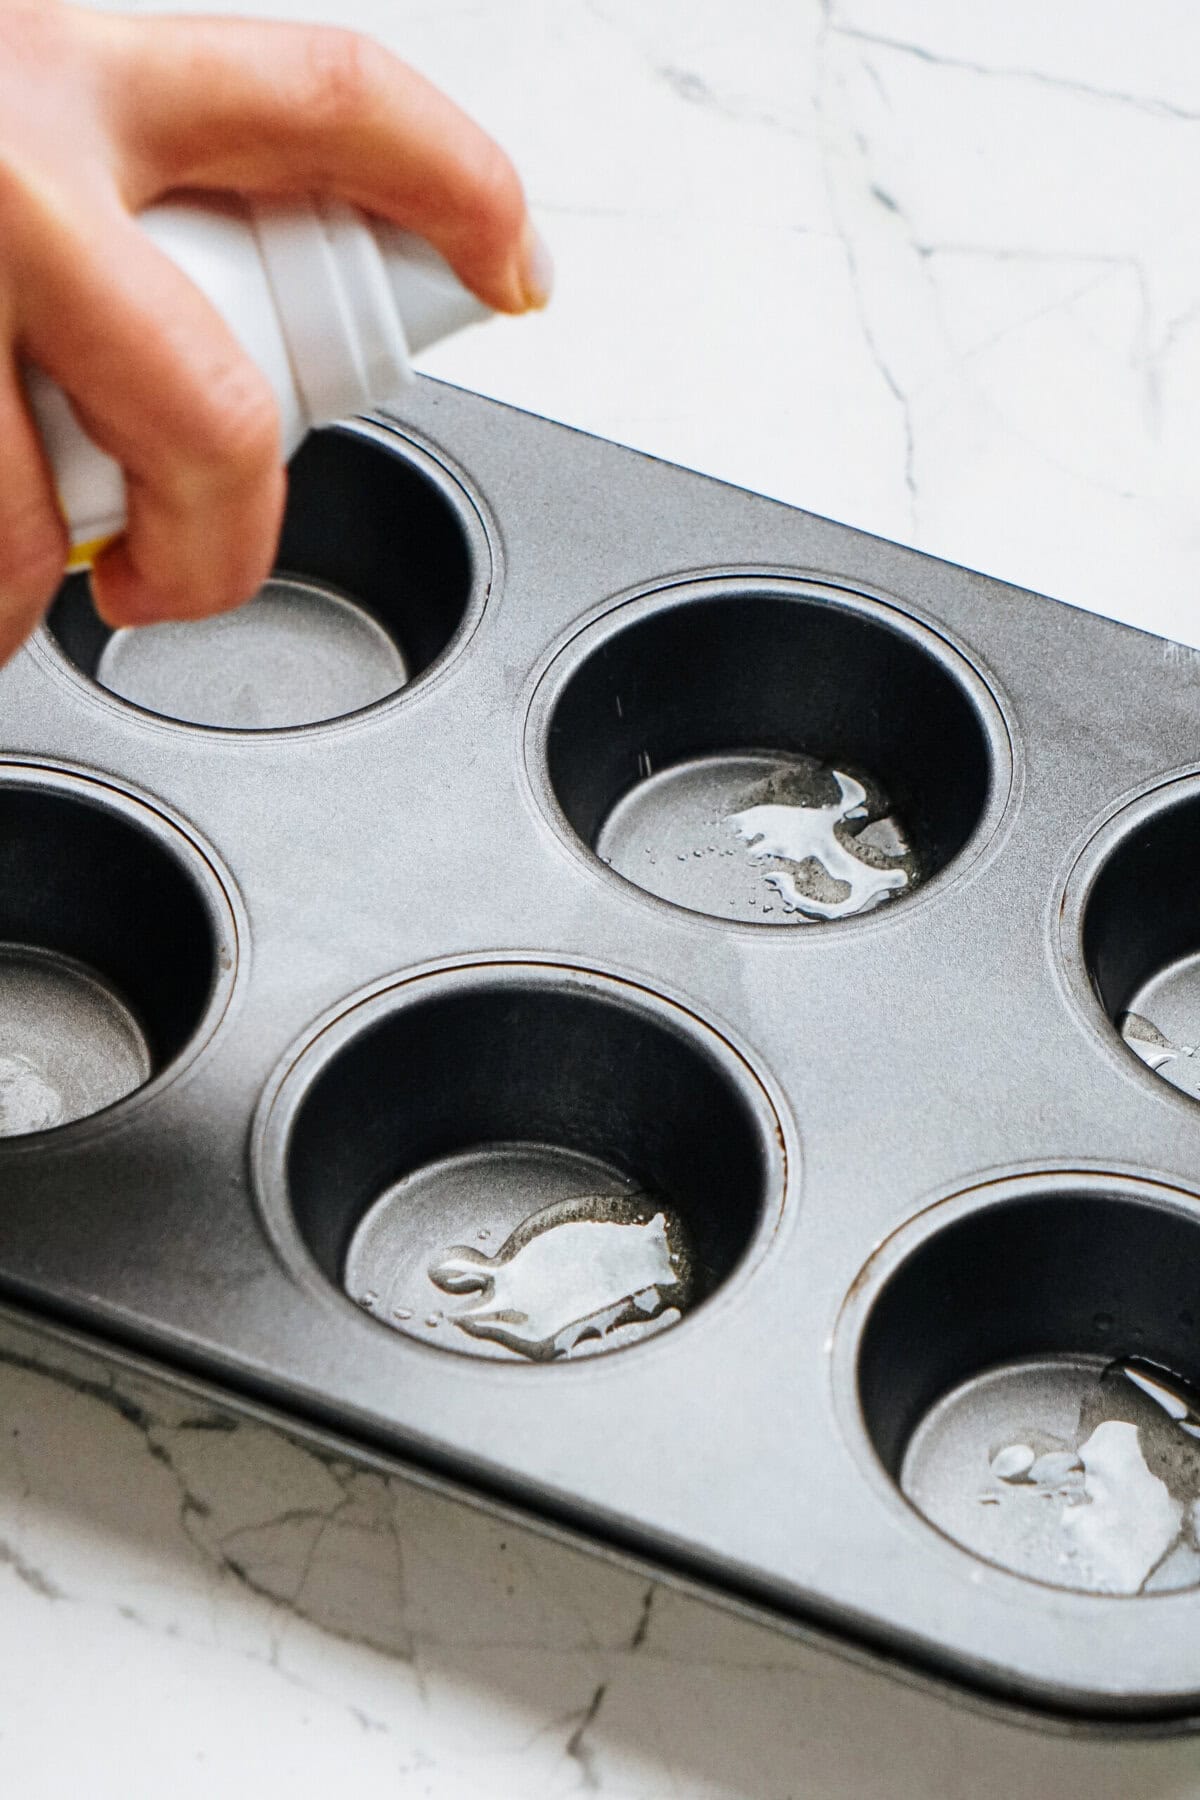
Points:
(930, 268)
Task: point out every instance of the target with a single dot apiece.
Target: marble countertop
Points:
(930, 269)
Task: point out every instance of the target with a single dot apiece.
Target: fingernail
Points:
(537, 269)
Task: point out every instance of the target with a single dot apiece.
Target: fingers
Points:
(33, 539)
(276, 108)
(160, 383)
(157, 379)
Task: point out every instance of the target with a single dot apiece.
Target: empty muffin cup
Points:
(520, 1161)
(769, 751)
(115, 947)
(1029, 1373)
(382, 564)
(1141, 931)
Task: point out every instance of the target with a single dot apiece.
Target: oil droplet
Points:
(1055, 1467)
(402, 1312)
(433, 1320)
(1147, 1041)
(824, 861)
(1132, 1518)
(1012, 1463)
(367, 1300)
(585, 1275)
(1172, 1401)
(1118, 1507)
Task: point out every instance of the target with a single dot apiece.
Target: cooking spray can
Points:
(330, 303)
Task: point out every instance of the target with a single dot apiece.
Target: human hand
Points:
(102, 114)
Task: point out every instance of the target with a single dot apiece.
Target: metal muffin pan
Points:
(656, 1010)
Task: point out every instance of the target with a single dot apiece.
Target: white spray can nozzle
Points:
(430, 299)
(357, 297)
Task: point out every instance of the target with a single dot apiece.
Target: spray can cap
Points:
(430, 299)
(356, 299)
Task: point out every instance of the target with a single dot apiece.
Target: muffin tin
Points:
(659, 1010)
